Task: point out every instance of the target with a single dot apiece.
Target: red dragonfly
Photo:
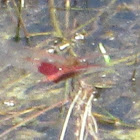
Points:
(58, 71)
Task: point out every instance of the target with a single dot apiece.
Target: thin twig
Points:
(28, 119)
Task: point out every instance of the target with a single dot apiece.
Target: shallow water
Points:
(116, 24)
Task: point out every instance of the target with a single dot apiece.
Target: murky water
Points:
(115, 24)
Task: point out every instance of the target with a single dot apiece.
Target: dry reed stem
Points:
(84, 119)
(68, 115)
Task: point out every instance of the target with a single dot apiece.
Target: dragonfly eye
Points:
(60, 69)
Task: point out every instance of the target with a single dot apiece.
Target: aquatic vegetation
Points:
(73, 72)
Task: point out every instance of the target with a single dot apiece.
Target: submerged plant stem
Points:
(40, 34)
(54, 19)
(20, 19)
(17, 37)
(93, 19)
